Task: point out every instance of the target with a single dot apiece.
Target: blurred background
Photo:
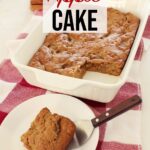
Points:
(14, 15)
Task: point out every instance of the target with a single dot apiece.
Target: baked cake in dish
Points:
(73, 54)
(49, 132)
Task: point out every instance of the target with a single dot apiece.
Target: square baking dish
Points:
(94, 86)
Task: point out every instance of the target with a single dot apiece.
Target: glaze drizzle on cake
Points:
(73, 54)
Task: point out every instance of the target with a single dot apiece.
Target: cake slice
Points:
(49, 132)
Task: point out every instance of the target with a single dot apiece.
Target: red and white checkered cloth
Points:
(122, 133)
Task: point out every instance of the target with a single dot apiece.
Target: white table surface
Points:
(10, 26)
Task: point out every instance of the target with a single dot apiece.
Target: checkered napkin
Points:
(122, 133)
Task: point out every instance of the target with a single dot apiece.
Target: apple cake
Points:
(73, 54)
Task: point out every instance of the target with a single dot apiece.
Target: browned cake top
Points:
(73, 54)
(49, 132)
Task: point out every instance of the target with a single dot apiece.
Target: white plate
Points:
(19, 120)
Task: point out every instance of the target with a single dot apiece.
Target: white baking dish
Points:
(94, 86)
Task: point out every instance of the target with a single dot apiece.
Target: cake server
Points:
(85, 128)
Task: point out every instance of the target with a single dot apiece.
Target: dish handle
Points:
(12, 45)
